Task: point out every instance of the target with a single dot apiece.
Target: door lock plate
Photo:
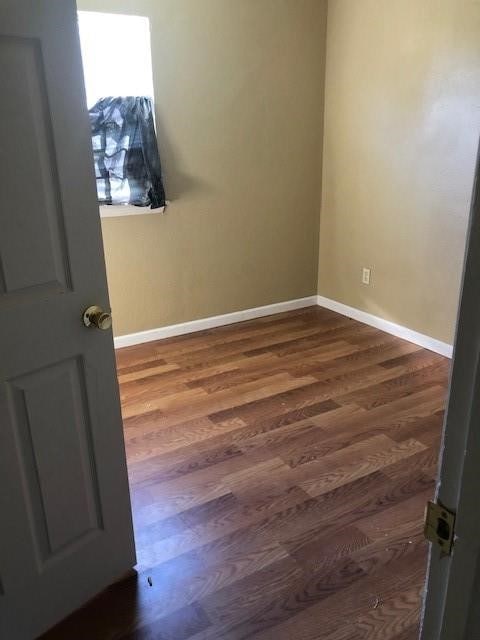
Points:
(440, 526)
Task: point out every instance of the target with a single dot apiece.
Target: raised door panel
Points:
(51, 423)
(50, 417)
(33, 254)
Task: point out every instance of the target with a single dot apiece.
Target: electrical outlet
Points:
(365, 275)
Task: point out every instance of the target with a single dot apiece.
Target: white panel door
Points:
(65, 520)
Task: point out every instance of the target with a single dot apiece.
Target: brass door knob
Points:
(95, 316)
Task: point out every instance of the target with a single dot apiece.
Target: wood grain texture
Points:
(279, 470)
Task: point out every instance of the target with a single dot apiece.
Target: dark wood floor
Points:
(279, 471)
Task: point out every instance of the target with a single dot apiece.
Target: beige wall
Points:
(239, 102)
(402, 122)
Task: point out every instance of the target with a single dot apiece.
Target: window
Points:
(119, 86)
(117, 59)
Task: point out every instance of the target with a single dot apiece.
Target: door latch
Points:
(440, 526)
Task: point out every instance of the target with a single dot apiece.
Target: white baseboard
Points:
(443, 348)
(258, 312)
(212, 322)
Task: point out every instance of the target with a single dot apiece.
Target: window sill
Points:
(117, 211)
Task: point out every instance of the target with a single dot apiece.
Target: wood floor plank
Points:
(139, 372)
(362, 499)
(321, 551)
(334, 617)
(359, 467)
(398, 614)
(245, 345)
(244, 612)
(157, 471)
(250, 367)
(185, 436)
(180, 625)
(196, 403)
(401, 386)
(153, 381)
(402, 517)
(252, 518)
(303, 394)
(278, 470)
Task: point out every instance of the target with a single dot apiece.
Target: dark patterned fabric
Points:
(127, 162)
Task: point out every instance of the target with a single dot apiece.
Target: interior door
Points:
(65, 523)
(452, 604)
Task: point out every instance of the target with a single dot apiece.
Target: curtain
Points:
(127, 162)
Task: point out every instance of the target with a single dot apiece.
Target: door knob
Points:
(95, 316)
